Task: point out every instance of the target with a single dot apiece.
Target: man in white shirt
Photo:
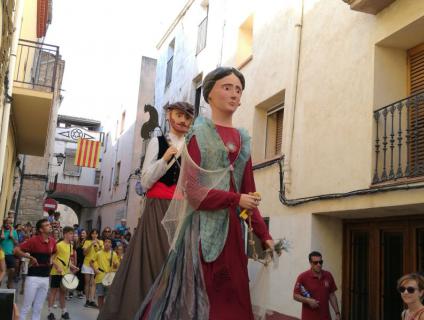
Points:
(149, 246)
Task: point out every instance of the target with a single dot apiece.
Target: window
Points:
(89, 224)
(274, 131)
(163, 121)
(100, 186)
(197, 98)
(416, 111)
(106, 142)
(245, 43)
(202, 32)
(122, 123)
(70, 169)
(169, 63)
(110, 179)
(117, 130)
(99, 223)
(197, 86)
(97, 177)
(117, 172)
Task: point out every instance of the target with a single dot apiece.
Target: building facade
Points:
(122, 158)
(334, 106)
(73, 186)
(8, 174)
(37, 102)
(30, 101)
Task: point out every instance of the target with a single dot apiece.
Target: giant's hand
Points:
(169, 153)
(249, 202)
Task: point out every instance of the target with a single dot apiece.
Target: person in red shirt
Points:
(39, 250)
(315, 289)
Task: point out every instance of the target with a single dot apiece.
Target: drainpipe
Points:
(294, 88)
(17, 24)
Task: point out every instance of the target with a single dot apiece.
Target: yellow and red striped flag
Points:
(88, 153)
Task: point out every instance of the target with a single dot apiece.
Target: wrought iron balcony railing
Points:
(399, 140)
(36, 65)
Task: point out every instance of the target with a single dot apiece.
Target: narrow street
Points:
(75, 307)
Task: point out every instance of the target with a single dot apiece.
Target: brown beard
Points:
(173, 124)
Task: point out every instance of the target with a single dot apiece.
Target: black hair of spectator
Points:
(39, 224)
(67, 229)
(314, 254)
(91, 232)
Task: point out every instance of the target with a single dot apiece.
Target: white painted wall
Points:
(121, 201)
(350, 64)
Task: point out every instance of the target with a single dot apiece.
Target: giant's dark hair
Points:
(217, 74)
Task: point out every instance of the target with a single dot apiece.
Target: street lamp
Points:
(60, 157)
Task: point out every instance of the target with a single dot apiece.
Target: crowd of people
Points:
(40, 256)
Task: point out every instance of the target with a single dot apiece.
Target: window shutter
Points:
(416, 110)
(279, 133)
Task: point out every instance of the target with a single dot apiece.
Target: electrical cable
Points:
(295, 202)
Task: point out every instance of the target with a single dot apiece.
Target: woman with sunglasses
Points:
(411, 288)
(106, 233)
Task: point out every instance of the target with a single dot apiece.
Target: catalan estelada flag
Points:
(88, 153)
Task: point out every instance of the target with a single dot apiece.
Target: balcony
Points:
(399, 141)
(369, 6)
(34, 87)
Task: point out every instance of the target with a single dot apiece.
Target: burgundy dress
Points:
(226, 278)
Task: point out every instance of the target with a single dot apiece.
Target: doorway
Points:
(377, 252)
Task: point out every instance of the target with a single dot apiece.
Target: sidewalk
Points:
(75, 307)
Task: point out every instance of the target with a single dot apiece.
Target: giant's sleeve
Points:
(215, 199)
(153, 168)
(248, 185)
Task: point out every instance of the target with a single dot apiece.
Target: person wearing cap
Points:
(122, 227)
(149, 246)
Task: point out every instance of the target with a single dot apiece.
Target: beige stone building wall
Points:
(329, 67)
(348, 67)
(36, 175)
(6, 23)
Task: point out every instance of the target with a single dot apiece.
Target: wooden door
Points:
(377, 252)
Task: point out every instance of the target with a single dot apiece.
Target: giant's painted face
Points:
(179, 121)
(226, 94)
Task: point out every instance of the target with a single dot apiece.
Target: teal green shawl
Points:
(214, 156)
